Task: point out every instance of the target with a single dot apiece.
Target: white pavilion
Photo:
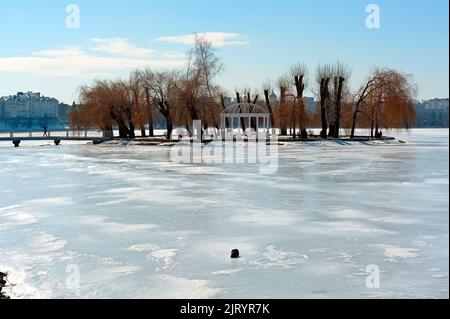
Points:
(244, 119)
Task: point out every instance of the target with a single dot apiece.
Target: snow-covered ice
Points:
(138, 226)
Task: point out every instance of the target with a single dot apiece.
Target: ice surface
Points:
(138, 226)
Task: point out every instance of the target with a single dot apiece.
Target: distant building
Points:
(273, 97)
(31, 110)
(227, 101)
(310, 104)
(64, 111)
(433, 113)
(436, 104)
(29, 105)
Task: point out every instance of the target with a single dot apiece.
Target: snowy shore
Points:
(161, 141)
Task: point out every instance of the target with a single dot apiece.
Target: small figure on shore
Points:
(235, 253)
(45, 131)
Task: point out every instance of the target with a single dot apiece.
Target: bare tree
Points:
(323, 76)
(283, 113)
(299, 72)
(341, 74)
(385, 99)
(162, 89)
(139, 108)
(208, 64)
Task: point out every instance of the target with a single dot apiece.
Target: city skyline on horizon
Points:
(109, 43)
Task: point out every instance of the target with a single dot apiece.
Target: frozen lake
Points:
(136, 225)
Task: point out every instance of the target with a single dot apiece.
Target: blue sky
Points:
(257, 40)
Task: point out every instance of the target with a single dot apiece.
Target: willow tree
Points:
(140, 112)
(386, 100)
(105, 105)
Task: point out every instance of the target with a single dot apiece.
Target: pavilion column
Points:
(224, 126)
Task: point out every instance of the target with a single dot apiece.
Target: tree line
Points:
(384, 101)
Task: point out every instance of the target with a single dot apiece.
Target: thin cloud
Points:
(76, 61)
(121, 47)
(217, 39)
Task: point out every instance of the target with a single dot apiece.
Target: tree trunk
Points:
(300, 86)
(131, 133)
(283, 120)
(269, 107)
(222, 101)
(377, 128)
(338, 99)
(151, 127)
(323, 102)
(169, 125)
(238, 99)
(355, 117)
(331, 130)
(123, 129)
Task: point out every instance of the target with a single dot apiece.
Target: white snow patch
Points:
(349, 214)
(17, 219)
(182, 288)
(127, 270)
(115, 227)
(343, 227)
(419, 243)
(437, 181)
(165, 257)
(266, 218)
(393, 252)
(143, 248)
(45, 242)
(53, 201)
(228, 272)
(278, 259)
(23, 218)
(4, 209)
(396, 220)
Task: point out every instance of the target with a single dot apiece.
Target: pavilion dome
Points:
(246, 108)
